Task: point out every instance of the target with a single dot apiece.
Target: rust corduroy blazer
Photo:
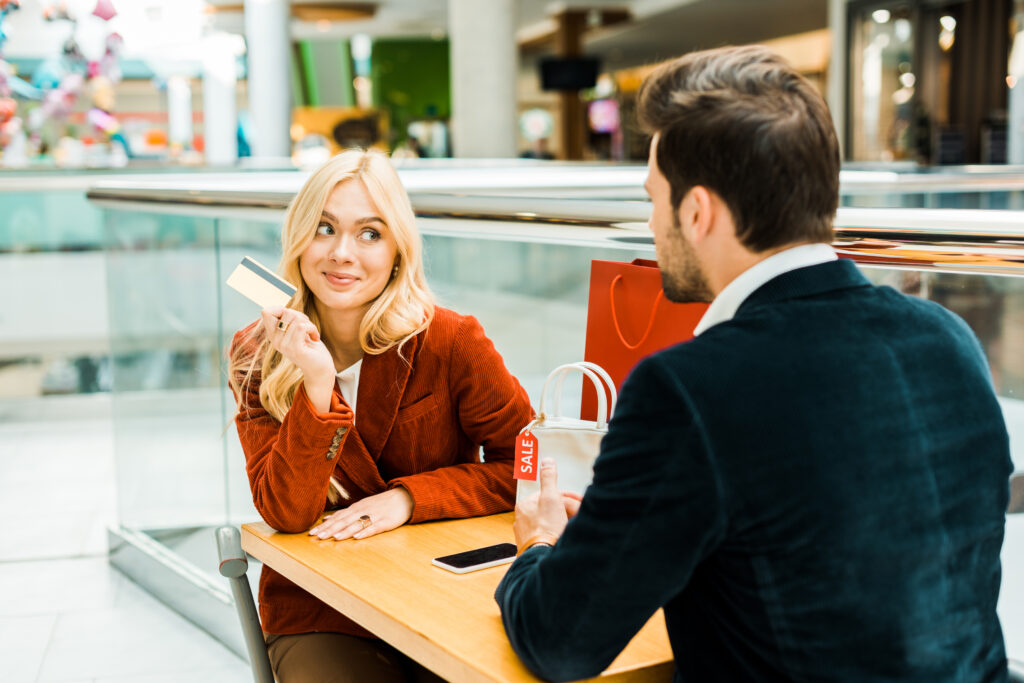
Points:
(421, 426)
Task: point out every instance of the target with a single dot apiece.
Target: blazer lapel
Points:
(382, 381)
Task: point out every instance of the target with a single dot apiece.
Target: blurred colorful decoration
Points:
(12, 133)
(110, 62)
(57, 11)
(105, 10)
(8, 109)
(103, 121)
(6, 7)
(604, 116)
(156, 137)
(10, 84)
(63, 78)
(536, 123)
(102, 92)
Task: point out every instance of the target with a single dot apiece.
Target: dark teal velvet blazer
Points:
(814, 491)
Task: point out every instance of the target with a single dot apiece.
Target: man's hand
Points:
(547, 512)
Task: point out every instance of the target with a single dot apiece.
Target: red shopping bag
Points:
(628, 317)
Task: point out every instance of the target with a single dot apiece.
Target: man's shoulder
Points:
(785, 328)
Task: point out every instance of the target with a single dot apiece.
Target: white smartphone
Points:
(480, 558)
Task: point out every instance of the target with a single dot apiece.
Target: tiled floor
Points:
(65, 615)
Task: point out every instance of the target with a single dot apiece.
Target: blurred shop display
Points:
(410, 81)
(536, 126)
(391, 93)
(928, 81)
(321, 132)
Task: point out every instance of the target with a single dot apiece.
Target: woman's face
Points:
(349, 261)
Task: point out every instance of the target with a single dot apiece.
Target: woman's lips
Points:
(340, 279)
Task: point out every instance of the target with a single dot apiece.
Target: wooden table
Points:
(448, 622)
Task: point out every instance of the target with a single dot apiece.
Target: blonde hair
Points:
(403, 310)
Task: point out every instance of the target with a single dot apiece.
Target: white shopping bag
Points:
(571, 442)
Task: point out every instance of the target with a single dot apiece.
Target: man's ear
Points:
(696, 213)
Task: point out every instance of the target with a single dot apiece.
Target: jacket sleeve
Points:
(652, 513)
(492, 408)
(289, 463)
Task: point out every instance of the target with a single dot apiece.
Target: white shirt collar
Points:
(348, 384)
(729, 300)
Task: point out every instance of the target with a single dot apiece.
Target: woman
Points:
(362, 395)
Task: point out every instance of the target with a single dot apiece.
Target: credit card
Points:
(260, 284)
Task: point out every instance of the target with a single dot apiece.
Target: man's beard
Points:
(681, 275)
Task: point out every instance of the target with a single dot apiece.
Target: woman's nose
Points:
(341, 249)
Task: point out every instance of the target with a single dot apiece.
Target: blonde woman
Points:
(362, 395)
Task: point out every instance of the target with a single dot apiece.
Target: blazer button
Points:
(331, 453)
(341, 431)
(336, 440)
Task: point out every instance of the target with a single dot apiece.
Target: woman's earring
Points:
(394, 272)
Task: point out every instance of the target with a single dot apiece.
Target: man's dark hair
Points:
(741, 122)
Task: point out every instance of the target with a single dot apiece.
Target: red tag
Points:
(526, 457)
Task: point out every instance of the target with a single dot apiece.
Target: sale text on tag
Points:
(526, 457)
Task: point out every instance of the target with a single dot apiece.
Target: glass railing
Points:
(54, 339)
(54, 333)
(519, 265)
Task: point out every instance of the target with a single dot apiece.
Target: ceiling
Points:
(173, 30)
(659, 28)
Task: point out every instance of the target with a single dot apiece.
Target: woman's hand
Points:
(386, 511)
(300, 343)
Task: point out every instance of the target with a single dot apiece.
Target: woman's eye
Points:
(325, 229)
(369, 235)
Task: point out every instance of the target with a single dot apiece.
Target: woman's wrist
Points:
(543, 538)
(319, 393)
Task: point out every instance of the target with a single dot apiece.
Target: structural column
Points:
(572, 115)
(483, 76)
(220, 120)
(268, 47)
(1015, 98)
(835, 92)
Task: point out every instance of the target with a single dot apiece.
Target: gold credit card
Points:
(260, 284)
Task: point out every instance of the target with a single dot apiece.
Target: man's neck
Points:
(739, 262)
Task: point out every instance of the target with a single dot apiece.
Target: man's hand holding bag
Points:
(572, 443)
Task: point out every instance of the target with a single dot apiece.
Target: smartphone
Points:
(481, 558)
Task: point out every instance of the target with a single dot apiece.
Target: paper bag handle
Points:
(583, 367)
(615, 318)
(605, 378)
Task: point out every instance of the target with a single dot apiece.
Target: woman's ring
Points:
(283, 325)
(365, 520)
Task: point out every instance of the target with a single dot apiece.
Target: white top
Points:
(348, 384)
(729, 300)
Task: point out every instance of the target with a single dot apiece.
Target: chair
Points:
(1016, 506)
(1016, 671)
(1016, 494)
(233, 565)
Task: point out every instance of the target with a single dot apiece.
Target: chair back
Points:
(233, 565)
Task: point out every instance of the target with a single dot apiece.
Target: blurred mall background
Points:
(146, 145)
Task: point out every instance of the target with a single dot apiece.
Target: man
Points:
(814, 487)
